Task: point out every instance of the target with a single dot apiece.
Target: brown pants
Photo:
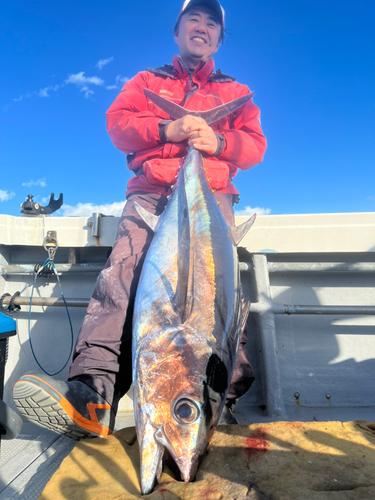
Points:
(103, 354)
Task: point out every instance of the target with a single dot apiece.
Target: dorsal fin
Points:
(150, 219)
(183, 254)
(239, 232)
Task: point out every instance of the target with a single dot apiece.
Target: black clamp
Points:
(31, 208)
(12, 308)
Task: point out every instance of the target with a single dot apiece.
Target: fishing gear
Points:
(48, 270)
(11, 308)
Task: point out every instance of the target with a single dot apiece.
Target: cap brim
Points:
(213, 5)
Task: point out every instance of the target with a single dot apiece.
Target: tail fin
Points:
(210, 116)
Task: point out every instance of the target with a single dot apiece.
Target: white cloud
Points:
(81, 80)
(250, 211)
(86, 209)
(103, 62)
(44, 92)
(23, 96)
(119, 82)
(87, 91)
(42, 200)
(39, 182)
(370, 198)
(5, 196)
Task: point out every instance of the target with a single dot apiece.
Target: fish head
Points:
(176, 410)
(185, 434)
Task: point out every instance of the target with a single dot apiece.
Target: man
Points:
(100, 373)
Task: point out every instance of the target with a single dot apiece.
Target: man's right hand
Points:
(181, 129)
(201, 136)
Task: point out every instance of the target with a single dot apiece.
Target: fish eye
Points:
(186, 411)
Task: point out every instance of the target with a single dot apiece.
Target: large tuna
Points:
(188, 318)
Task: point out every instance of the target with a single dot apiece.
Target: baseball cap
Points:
(214, 5)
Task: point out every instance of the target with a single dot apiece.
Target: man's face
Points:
(198, 36)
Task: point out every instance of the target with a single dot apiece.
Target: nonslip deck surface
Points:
(275, 461)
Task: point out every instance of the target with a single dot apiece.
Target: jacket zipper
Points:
(193, 87)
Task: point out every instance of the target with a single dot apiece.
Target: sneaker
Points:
(69, 408)
(227, 417)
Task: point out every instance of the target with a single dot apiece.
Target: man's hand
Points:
(199, 134)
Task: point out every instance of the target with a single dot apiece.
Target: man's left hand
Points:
(204, 139)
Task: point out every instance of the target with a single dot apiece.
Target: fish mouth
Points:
(188, 468)
(188, 464)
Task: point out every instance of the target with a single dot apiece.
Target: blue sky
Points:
(310, 62)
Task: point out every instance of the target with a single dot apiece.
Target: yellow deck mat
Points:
(276, 461)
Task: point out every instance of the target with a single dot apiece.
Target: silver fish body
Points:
(188, 319)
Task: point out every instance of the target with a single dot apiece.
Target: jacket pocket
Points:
(162, 172)
(217, 174)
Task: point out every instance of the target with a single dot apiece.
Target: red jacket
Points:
(135, 126)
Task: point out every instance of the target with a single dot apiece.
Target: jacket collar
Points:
(203, 73)
(200, 75)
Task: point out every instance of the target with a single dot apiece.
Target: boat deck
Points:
(312, 363)
(29, 461)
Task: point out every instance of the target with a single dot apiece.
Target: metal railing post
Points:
(275, 407)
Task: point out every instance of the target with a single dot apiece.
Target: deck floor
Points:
(28, 462)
